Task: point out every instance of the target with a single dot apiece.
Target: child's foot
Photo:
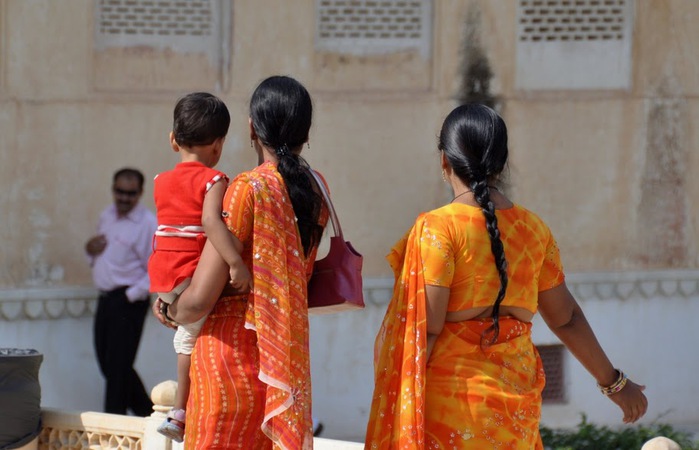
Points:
(173, 425)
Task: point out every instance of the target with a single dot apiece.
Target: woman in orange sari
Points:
(250, 374)
(455, 366)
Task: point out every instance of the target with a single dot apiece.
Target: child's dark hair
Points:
(474, 141)
(281, 113)
(199, 119)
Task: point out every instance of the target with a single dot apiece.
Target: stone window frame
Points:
(164, 25)
(556, 41)
(372, 27)
(553, 358)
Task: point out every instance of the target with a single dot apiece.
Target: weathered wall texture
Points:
(609, 170)
(72, 114)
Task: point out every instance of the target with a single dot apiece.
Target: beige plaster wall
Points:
(609, 170)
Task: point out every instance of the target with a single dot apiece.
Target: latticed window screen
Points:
(552, 357)
(373, 25)
(574, 44)
(191, 25)
(571, 20)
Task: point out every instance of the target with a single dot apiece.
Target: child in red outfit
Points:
(188, 201)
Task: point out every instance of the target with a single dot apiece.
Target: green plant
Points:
(589, 436)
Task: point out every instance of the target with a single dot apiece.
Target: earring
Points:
(308, 143)
(444, 175)
(250, 143)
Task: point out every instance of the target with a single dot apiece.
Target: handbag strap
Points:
(333, 216)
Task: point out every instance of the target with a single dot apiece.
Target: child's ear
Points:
(218, 146)
(173, 142)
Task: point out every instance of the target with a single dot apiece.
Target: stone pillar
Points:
(163, 396)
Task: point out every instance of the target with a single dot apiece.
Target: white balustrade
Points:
(66, 430)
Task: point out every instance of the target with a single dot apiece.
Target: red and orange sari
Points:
(250, 374)
(466, 396)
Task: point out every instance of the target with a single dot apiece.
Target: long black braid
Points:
(474, 141)
(306, 201)
(481, 193)
(281, 113)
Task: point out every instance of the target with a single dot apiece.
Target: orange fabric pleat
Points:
(481, 398)
(396, 419)
(226, 404)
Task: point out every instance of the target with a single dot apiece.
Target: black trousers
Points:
(117, 331)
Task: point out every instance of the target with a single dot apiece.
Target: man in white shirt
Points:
(119, 259)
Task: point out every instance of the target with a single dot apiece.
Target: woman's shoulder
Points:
(262, 172)
(532, 219)
(452, 212)
(437, 214)
(442, 218)
(522, 210)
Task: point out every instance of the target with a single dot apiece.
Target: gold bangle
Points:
(615, 387)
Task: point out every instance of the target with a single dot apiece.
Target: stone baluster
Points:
(163, 396)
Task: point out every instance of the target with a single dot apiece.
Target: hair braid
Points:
(281, 111)
(305, 200)
(474, 141)
(481, 193)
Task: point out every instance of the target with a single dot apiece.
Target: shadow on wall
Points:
(476, 73)
(664, 222)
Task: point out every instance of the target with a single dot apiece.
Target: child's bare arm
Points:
(225, 242)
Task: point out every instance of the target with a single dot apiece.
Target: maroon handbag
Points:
(336, 283)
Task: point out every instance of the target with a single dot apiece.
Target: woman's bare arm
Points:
(208, 281)
(225, 242)
(566, 319)
(437, 303)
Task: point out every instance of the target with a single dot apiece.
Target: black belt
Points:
(113, 292)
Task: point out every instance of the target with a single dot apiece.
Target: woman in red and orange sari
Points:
(455, 366)
(250, 374)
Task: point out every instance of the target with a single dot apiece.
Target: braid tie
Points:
(282, 150)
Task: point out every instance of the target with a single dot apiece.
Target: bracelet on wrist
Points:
(615, 387)
(163, 311)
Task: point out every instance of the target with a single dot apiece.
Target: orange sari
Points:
(250, 374)
(465, 396)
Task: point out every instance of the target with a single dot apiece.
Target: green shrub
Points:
(589, 436)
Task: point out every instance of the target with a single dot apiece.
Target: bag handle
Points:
(333, 216)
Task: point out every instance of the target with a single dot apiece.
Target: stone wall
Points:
(607, 168)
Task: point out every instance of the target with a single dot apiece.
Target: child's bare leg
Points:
(174, 424)
(183, 363)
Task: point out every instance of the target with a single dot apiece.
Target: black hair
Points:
(281, 113)
(474, 141)
(200, 118)
(129, 172)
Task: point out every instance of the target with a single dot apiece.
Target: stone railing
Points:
(91, 430)
(55, 302)
(64, 430)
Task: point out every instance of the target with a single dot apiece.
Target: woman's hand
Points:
(208, 281)
(632, 401)
(157, 309)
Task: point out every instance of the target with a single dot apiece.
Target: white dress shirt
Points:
(124, 262)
